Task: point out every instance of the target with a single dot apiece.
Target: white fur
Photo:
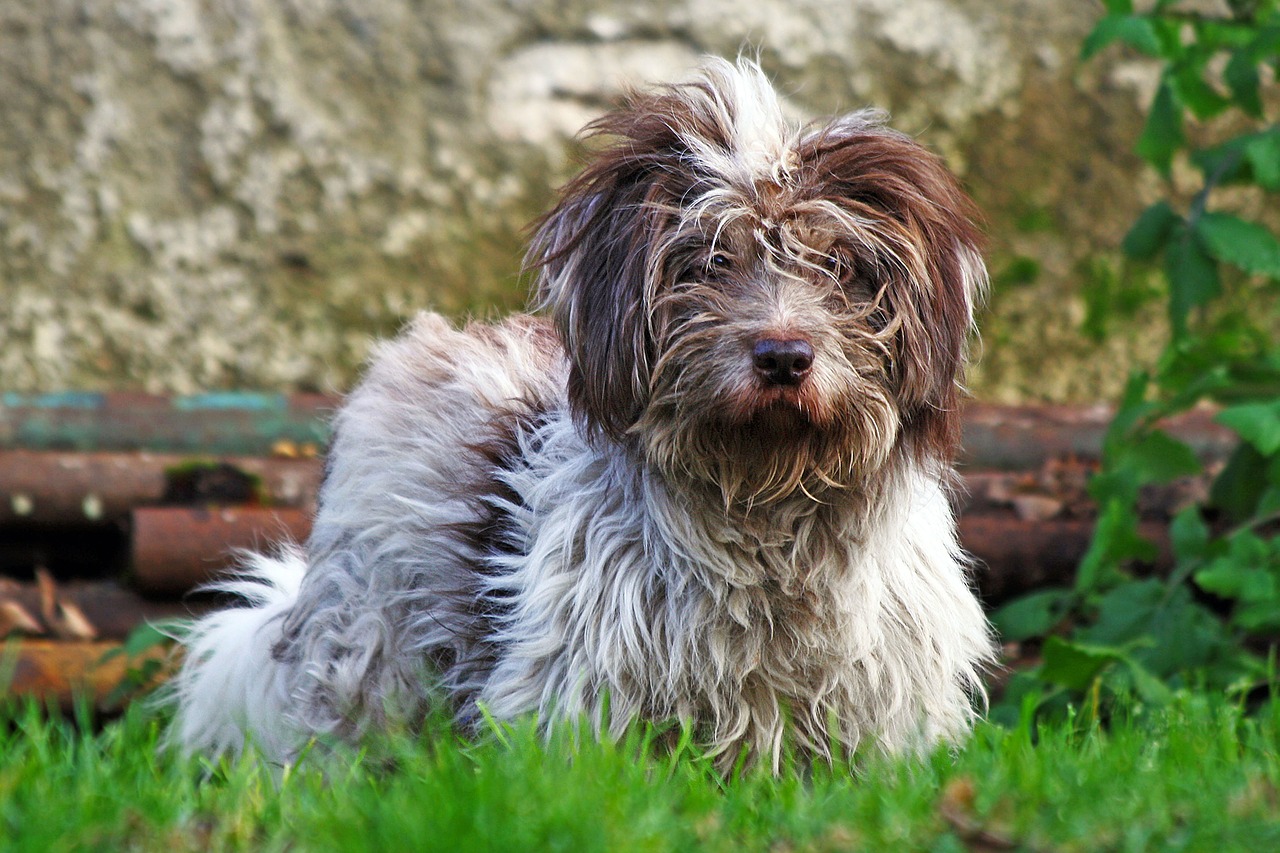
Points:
(240, 689)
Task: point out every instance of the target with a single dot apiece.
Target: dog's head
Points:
(763, 306)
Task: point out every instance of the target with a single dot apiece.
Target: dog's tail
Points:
(231, 691)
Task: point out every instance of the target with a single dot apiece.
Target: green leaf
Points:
(1134, 406)
(1134, 31)
(1197, 95)
(1256, 423)
(1263, 153)
(1115, 542)
(1269, 501)
(1162, 135)
(1259, 610)
(1157, 457)
(1161, 627)
(1241, 76)
(1241, 243)
(1118, 7)
(1238, 488)
(1032, 615)
(1149, 234)
(145, 637)
(1247, 574)
(1225, 163)
(1224, 577)
(1193, 278)
(1266, 43)
(1075, 665)
(1124, 614)
(1147, 685)
(1189, 534)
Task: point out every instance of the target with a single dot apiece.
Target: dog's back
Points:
(327, 641)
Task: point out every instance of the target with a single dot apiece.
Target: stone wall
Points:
(199, 194)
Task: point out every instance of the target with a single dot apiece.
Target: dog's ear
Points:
(595, 253)
(923, 227)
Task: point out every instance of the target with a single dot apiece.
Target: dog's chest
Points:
(663, 603)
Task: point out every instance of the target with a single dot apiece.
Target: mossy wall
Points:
(240, 193)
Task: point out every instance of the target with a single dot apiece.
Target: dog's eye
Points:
(837, 266)
(718, 264)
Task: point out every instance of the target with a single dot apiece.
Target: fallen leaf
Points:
(1036, 507)
(285, 449)
(48, 594)
(72, 624)
(956, 807)
(64, 618)
(14, 619)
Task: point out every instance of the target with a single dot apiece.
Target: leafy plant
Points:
(1215, 619)
(147, 660)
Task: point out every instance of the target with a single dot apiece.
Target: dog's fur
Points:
(631, 507)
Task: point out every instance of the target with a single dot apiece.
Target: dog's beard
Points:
(710, 423)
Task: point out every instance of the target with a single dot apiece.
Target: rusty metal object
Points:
(219, 423)
(60, 671)
(176, 549)
(100, 488)
(1022, 437)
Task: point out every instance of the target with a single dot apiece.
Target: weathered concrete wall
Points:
(211, 193)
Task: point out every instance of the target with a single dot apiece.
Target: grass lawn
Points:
(1198, 775)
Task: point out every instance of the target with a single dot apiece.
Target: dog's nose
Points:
(782, 362)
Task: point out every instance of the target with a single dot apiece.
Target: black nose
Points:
(782, 362)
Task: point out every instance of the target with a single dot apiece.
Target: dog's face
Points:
(765, 308)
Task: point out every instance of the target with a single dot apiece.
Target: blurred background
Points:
(241, 194)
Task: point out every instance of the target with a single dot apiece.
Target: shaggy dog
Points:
(711, 487)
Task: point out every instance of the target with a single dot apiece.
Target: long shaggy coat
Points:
(710, 487)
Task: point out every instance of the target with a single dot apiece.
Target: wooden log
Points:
(236, 423)
(111, 609)
(1015, 557)
(176, 549)
(1022, 533)
(51, 488)
(59, 671)
(75, 488)
(1024, 437)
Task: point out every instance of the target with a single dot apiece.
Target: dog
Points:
(708, 484)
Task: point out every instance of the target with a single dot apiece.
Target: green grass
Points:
(1198, 775)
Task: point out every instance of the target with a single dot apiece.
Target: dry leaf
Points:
(956, 807)
(72, 624)
(1036, 507)
(48, 595)
(64, 618)
(14, 619)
